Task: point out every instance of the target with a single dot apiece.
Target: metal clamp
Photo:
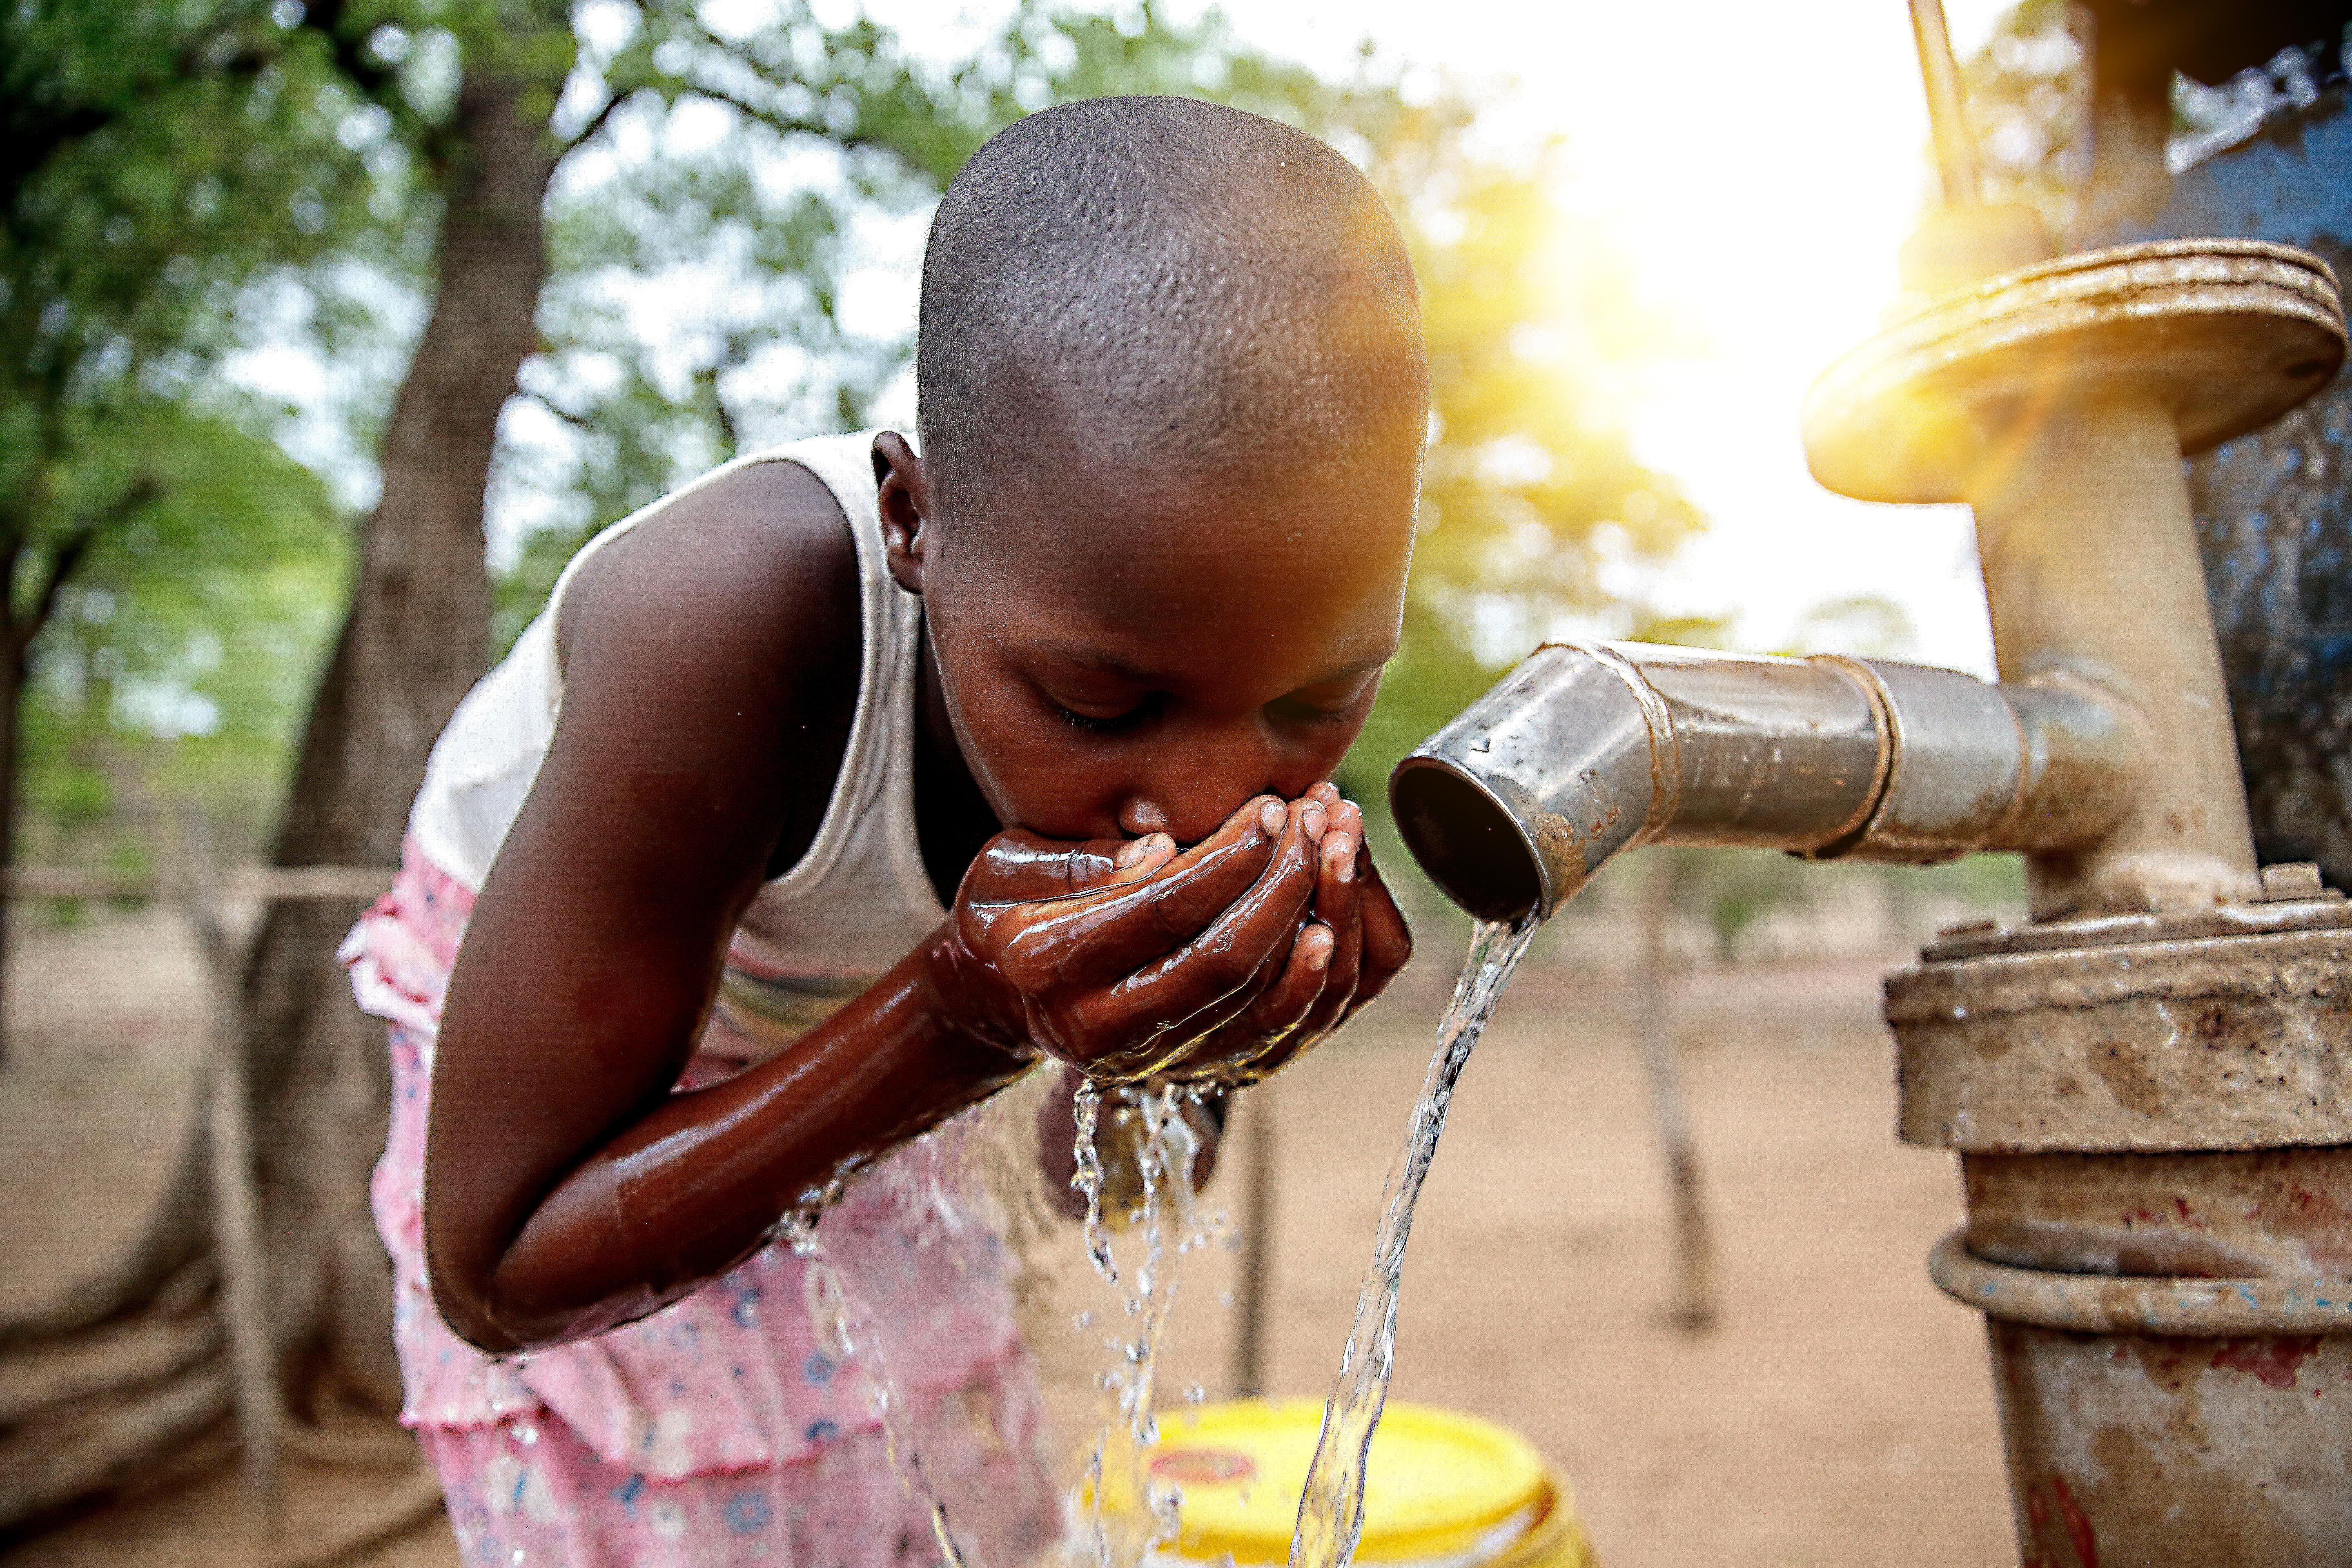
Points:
(2139, 1304)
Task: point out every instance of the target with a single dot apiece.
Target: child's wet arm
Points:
(672, 1190)
(698, 699)
(696, 1185)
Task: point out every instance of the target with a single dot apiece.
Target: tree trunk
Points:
(1694, 1295)
(417, 639)
(417, 635)
(11, 695)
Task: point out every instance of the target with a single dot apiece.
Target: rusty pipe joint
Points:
(1586, 749)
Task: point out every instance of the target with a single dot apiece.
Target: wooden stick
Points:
(269, 884)
(1694, 1306)
(1257, 1222)
(347, 1450)
(245, 1299)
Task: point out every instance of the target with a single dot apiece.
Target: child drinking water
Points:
(835, 790)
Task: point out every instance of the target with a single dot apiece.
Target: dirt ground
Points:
(1840, 1413)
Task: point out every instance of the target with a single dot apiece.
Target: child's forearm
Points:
(698, 1184)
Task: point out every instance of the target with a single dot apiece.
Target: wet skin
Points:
(1149, 678)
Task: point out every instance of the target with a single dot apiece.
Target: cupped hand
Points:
(1115, 958)
(1351, 947)
(1128, 959)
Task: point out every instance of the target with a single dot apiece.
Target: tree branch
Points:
(719, 410)
(578, 421)
(68, 560)
(378, 81)
(22, 631)
(783, 124)
(587, 133)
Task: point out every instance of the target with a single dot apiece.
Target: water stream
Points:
(1165, 1145)
(1331, 1510)
(1161, 1221)
(1166, 1223)
(845, 1323)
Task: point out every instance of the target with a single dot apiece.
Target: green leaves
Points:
(182, 650)
(153, 166)
(159, 165)
(160, 162)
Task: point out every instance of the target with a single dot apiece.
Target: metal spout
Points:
(1586, 749)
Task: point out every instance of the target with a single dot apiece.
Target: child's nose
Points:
(1191, 788)
(1139, 817)
(1186, 821)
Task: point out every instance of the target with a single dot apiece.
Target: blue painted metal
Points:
(2275, 508)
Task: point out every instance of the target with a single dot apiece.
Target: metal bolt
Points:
(2294, 880)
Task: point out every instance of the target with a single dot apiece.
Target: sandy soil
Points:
(1840, 1413)
(103, 1039)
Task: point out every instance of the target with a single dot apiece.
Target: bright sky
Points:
(1758, 165)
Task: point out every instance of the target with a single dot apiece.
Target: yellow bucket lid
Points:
(1439, 1481)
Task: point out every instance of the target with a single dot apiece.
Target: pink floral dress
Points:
(729, 1428)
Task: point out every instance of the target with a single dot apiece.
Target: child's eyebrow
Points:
(1111, 664)
(1363, 666)
(1097, 660)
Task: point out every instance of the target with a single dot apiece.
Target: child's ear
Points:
(905, 499)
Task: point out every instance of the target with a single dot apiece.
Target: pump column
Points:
(2094, 583)
(2149, 1085)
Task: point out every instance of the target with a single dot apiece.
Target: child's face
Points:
(1123, 657)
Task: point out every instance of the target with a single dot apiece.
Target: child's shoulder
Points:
(757, 563)
(721, 640)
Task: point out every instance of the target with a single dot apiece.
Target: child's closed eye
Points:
(1323, 706)
(1292, 710)
(1104, 723)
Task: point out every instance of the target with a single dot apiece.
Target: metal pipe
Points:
(2092, 573)
(2147, 1086)
(1589, 749)
(2170, 1040)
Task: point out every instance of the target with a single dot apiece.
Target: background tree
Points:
(177, 661)
(155, 164)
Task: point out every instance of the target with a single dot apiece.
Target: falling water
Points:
(1086, 1177)
(1165, 1148)
(1331, 1510)
(854, 1337)
(1167, 1221)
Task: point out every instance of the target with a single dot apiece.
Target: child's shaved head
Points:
(1174, 395)
(1200, 291)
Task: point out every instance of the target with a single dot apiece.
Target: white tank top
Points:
(856, 903)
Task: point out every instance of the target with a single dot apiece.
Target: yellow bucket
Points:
(1445, 1490)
